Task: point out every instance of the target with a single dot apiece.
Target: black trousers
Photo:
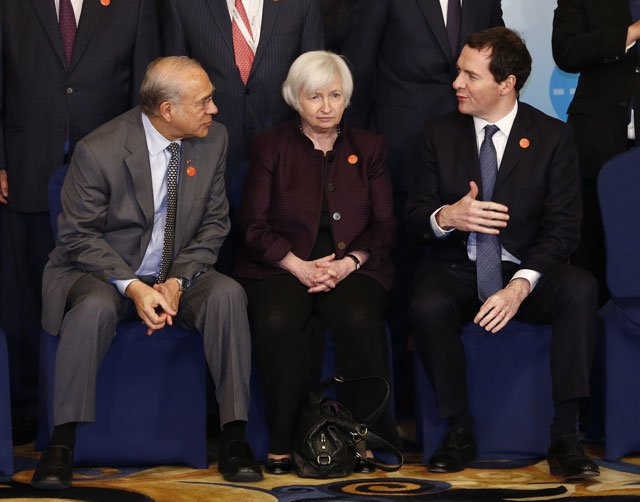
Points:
(288, 326)
(445, 298)
(26, 241)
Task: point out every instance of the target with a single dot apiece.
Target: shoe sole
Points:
(244, 477)
(555, 470)
(49, 485)
(440, 470)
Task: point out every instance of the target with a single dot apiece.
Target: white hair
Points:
(312, 71)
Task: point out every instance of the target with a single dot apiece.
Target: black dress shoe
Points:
(364, 467)
(54, 470)
(456, 451)
(568, 459)
(237, 463)
(278, 466)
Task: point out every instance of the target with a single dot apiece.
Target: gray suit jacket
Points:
(107, 217)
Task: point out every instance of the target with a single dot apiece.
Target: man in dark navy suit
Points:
(497, 194)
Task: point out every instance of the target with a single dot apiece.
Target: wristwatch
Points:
(183, 283)
(355, 260)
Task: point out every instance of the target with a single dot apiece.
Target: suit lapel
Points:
(621, 10)
(92, 12)
(269, 16)
(138, 164)
(46, 12)
(220, 13)
(433, 14)
(470, 13)
(186, 185)
(467, 147)
(520, 137)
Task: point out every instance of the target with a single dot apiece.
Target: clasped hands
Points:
(319, 275)
(472, 215)
(156, 305)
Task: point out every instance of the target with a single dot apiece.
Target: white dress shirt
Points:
(77, 8)
(159, 158)
(500, 142)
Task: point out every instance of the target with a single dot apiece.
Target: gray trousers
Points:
(215, 306)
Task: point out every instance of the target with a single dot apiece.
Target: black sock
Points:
(462, 419)
(64, 435)
(234, 431)
(564, 419)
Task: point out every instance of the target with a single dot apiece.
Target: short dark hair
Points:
(509, 54)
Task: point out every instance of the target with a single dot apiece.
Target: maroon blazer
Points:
(283, 193)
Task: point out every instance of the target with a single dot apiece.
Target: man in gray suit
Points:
(111, 261)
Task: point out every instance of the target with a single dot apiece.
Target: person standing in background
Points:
(246, 47)
(68, 67)
(599, 41)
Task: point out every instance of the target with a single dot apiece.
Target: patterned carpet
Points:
(502, 481)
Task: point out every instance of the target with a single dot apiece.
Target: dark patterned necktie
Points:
(454, 15)
(488, 262)
(68, 28)
(170, 217)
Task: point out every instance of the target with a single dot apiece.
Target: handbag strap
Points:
(339, 380)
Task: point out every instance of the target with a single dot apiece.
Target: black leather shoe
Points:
(363, 467)
(278, 466)
(568, 459)
(54, 470)
(456, 451)
(237, 463)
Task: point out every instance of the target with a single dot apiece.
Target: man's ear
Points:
(507, 85)
(166, 110)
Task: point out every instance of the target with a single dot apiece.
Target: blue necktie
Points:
(454, 15)
(488, 262)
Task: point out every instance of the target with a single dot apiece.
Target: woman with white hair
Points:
(317, 225)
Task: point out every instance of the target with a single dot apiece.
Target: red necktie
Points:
(243, 53)
(68, 28)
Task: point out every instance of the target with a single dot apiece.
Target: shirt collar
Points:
(156, 142)
(504, 124)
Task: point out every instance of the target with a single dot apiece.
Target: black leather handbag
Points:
(328, 442)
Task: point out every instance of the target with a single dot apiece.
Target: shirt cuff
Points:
(438, 231)
(530, 275)
(122, 284)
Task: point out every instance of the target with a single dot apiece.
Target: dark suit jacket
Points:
(538, 181)
(40, 95)
(107, 217)
(202, 30)
(589, 37)
(403, 68)
(283, 195)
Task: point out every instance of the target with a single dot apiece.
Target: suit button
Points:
(341, 245)
(637, 69)
(336, 216)
(69, 90)
(454, 266)
(247, 91)
(330, 187)
(624, 103)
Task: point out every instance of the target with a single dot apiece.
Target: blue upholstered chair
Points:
(617, 189)
(6, 446)
(150, 393)
(509, 385)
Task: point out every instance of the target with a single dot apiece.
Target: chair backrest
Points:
(619, 193)
(53, 196)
